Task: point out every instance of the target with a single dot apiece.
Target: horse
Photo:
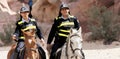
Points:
(31, 50)
(72, 49)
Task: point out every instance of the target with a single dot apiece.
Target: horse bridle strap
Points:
(76, 49)
(33, 49)
(73, 50)
(74, 35)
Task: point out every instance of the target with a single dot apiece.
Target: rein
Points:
(74, 35)
(73, 50)
(32, 49)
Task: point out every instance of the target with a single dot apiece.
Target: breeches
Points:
(20, 45)
(54, 49)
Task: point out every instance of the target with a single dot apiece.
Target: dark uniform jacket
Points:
(61, 28)
(23, 25)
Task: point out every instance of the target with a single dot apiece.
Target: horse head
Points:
(30, 42)
(29, 31)
(75, 43)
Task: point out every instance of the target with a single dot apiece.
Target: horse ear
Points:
(71, 31)
(80, 30)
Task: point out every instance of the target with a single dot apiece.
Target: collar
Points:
(23, 20)
(67, 17)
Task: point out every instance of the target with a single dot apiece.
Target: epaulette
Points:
(20, 22)
(72, 16)
(57, 18)
(32, 19)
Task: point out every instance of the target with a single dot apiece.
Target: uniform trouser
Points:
(19, 46)
(54, 49)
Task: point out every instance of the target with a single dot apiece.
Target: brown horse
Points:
(31, 51)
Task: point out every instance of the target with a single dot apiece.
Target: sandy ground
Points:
(99, 51)
(92, 51)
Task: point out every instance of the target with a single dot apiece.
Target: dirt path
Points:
(3, 52)
(103, 54)
(99, 51)
(92, 51)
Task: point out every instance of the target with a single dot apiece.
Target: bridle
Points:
(70, 42)
(31, 49)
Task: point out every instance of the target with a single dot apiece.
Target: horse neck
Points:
(30, 42)
(30, 47)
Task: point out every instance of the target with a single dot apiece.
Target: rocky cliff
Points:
(47, 10)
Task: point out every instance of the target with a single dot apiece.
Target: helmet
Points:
(24, 9)
(64, 6)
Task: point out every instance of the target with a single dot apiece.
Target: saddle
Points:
(22, 53)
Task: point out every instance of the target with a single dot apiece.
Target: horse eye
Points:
(71, 42)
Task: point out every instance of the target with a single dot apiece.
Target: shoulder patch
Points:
(20, 22)
(56, 18)
(71, 16)
(32, 19)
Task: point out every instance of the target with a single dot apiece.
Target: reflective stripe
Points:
(22, 37)
(20, 22)
(71, 16)
(64, 30)
(60, 34)
(66, 23)
(29, 27)
(56, 18)
(32, 19)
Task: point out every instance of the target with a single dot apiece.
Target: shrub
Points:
(6, 35)
(103, 24)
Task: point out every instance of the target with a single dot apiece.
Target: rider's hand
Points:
(14, 37)
(43, 43)
(49, 46)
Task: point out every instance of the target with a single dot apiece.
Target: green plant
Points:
(6, 35)
(103, 24)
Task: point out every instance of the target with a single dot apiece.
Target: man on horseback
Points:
(61, 29)
(23, 24)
